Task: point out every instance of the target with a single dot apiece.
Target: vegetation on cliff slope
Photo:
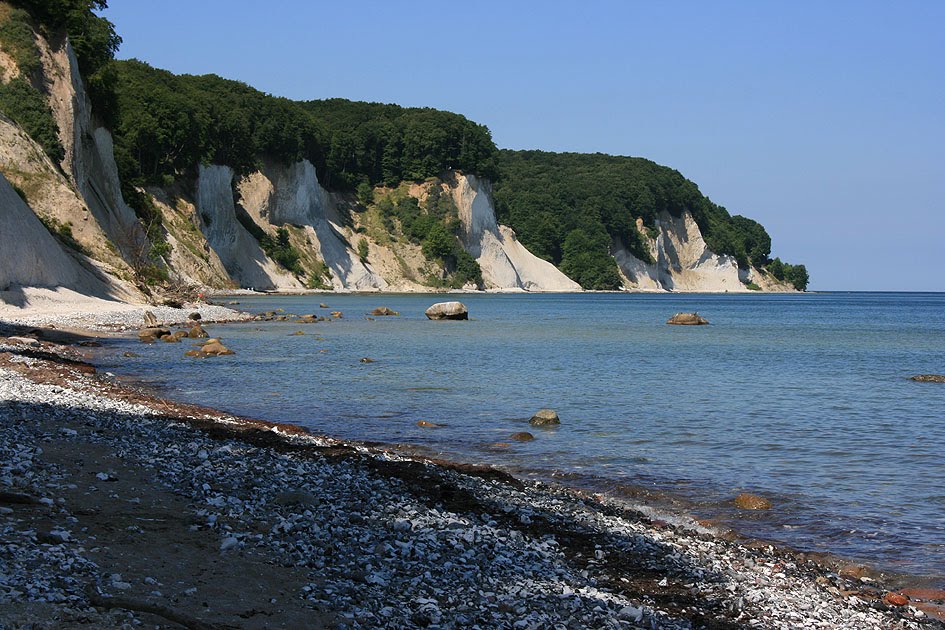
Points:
(20, 99)
(434, 225)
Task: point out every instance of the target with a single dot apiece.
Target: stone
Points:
(215, 349)
(428, 425)
(195, 316)
(150, 321)
(298, 333)
(368, 360)
(170, 338)
(746, 501)
(322, 305)
(153, 333)
(544, 418)
(687, 319)
(25, 341)
(895, 599)
(447, 310)
(522, 436)
(130, 355)
(211, 348)
(336, 314)
(929, 378)
(197, 332)
(853, 571)
(383, 311)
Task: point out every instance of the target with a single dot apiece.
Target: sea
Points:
(804, 399)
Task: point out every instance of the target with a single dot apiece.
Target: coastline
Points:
(364, 536)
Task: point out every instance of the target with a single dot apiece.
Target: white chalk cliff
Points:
(505, 262)
(291, 195)
(682, 261)
(31, 257)
(240, 253)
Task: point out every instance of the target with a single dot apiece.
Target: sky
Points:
(824, 121)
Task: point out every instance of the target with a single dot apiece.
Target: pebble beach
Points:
(122, 509)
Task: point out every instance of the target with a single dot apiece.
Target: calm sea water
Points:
(804, 399)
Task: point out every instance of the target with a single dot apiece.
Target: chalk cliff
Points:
(31, 256)
(681, 261)
(505, 262)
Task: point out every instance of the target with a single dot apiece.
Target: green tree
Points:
(438, 244)
(587, 260)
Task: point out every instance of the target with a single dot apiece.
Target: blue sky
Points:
(825, 121)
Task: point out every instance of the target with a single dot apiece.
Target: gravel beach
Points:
(121, 509)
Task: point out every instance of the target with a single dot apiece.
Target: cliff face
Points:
(275, 228)
(683, 262)
(280, 196)
(31, 257)
(505, 262)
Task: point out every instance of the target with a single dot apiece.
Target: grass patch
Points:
(63, 233)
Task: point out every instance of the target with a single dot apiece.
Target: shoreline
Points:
(594, 560)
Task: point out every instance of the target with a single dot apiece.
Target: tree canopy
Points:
(166, 124)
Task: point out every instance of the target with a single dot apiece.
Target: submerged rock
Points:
(383, 311)
(544, 417)
(687, 319)
(929, 378)
(522, 436)
(447, 310)
(746, 501)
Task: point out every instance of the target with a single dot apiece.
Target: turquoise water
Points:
(804, 399)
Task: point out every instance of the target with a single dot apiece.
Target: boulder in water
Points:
(747, 501)
(545, 418)
(383, 311)
(149, 335)
(522, 436)
(687, 319)
(212, 348)
(447, 310)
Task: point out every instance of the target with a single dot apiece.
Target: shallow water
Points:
(802, 398)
